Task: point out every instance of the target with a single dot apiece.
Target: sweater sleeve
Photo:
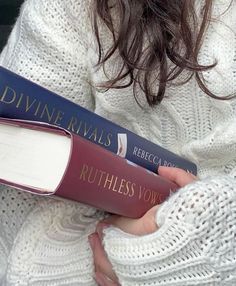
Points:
(194, 245)
(196, 240)
(49, 45)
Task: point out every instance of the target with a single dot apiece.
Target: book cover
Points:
(47, 160)
(23, 99)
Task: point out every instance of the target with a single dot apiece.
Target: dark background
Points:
(9, 10)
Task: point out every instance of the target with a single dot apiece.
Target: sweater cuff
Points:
(196, 229)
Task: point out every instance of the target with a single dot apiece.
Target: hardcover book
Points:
(47, 160)
(23, 99)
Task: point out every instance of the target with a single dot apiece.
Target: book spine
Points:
(23, 99)
(99, 178)
(96, 176)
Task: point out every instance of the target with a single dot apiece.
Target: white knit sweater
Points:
(44, 242)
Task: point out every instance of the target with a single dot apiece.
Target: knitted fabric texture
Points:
(44, 241)
(195, 243)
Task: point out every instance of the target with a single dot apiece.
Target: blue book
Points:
(23, 99)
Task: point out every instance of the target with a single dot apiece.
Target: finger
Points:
(101, 262)
(102, 280)
(126, 224)
(141, 226)
(176, 175)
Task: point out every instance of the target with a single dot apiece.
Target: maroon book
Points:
(48, 160)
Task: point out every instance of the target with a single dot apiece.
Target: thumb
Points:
(176, 175)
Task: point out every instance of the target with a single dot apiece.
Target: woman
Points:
(161, 69)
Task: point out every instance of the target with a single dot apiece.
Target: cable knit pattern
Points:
(52, 247)
(44, 241)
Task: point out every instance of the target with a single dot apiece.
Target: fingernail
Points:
(163, 167)
(160, 167)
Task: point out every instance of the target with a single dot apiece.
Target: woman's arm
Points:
(194, 242)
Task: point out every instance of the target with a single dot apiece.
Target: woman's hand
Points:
(104, 274)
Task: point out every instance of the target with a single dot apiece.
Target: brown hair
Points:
(150, 33)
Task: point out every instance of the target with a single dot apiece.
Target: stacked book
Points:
(52, 146)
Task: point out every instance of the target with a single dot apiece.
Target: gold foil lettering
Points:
(93, 135)
(48, 114)
(122, 185)
(115, 185)
(28, 104)
(19, 100)
(92, 179)
(8, 91)
(84, 172)
(102, 173)
(154, 198)
(86, 129)
(108, 181)
(58, 118)
(72, 123)
(147, 195)
(37, 109)
(132, 190)
(108, 142)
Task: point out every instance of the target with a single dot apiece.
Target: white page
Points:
(33, 158)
